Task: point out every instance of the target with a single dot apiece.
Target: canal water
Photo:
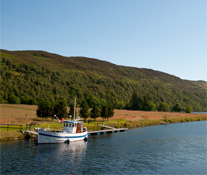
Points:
(165, 149)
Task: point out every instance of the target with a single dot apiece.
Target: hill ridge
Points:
(97, 78)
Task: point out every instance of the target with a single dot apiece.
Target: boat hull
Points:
(60, 137)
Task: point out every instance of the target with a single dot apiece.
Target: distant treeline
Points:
(30, 84)
(145, 104)
(48, 109)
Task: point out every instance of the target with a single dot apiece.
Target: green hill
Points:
(28, 76)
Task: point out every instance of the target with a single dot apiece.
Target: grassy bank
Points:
(145, 122)
(142, 123)
(26, 114)
(11, 135)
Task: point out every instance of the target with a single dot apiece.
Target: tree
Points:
(95, 113)
(177, 108)
(45, 109)
(188, 109)
(25, 99)
(60, 109)
(104, 111)
(133, 101)
(147, 104)
(84, 112)
(110, 111)
(150, 106)
(107, 111)
(136, 102)
(14, 99)
(92, 100)
(163, 107)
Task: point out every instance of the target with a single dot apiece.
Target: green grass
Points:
(95, 125)
(145, 122)
(185, 119)
(10, 135)
(140, 123)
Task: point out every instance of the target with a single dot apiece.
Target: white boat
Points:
(73, 131)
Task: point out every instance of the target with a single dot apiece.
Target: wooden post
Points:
(7, 127)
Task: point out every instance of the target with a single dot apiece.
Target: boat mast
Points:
(74, 108)
(59, 121)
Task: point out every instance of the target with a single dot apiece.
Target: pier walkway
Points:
(105, 131)
(107, 127)
(30, 132)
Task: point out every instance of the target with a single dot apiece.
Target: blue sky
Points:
(164, 35)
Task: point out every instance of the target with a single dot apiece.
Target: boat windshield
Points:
(70, 124)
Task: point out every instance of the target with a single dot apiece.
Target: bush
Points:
(163, 107)
(14, 99)
(177, 108)
(188, 109)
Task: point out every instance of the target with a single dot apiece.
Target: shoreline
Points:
(128, 124)
(144, 123)
(26, 114)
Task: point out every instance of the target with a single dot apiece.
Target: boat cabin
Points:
(73, 126)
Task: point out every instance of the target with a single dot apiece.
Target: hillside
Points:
(32, 75)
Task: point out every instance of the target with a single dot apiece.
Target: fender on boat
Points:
(67, 141)
(85, 139)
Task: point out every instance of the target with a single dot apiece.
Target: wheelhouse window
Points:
(67, 124)
(70, 124)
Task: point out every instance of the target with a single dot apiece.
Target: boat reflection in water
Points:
(67, 155)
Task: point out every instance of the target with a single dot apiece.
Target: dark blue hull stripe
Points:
(63, 137)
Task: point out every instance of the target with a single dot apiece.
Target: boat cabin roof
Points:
(69, 121)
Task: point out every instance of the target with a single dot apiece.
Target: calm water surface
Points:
(166, 149)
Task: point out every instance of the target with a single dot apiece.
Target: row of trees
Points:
(146, 104)
(47, 109)
(105, 111)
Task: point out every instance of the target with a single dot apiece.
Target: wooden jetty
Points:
(107, 127)
(106, 131)
(30, 132)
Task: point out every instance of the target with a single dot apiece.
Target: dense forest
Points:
(27, 77)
